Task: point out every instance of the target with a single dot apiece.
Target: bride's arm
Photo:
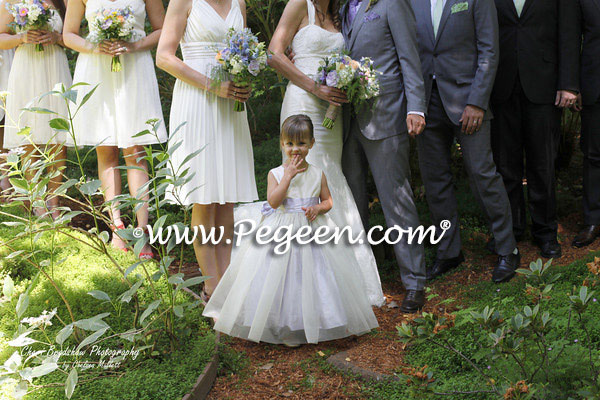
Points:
(288, 26)
(166, 59)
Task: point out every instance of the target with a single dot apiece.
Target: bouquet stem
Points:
(238, 106)
(115, 65)
(39, 47)
(330, 116)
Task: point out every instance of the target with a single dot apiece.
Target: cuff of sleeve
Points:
(416, 113)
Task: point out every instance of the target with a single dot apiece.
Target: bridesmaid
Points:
(122, 103)
(34, 73)
(224, 170)
(6, 57)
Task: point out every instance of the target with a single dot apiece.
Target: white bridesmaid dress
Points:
(311, 293)
(124, 100)
(6, 58)
(311, 44)
(223, 172)
(32, 74)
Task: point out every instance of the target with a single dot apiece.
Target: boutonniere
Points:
(458, 7)
(372, 17)
(371, 4)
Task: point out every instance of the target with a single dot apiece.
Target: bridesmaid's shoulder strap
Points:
(311, 12)
(235, 3)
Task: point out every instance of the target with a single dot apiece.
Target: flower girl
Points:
(308, 294)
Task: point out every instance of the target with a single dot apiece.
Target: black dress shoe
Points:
(506, 267)
(413, 301)
(587, 236)
(440, 267)
(550, 249)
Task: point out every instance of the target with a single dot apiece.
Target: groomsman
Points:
(458, 41)
(537, 74)
(588, 28)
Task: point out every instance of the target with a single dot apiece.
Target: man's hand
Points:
(565, 98)
(415, 124)
(472, 118)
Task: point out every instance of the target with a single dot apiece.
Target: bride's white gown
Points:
(310, 45)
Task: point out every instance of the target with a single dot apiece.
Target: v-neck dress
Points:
(223, 171)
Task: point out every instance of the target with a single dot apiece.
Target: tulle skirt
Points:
(309, 294)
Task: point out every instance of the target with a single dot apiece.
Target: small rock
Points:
(348, 359)
(393, 304)
(321, 353)
(266, 367)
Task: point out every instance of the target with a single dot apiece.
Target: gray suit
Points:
(463, 58)
(377, 136)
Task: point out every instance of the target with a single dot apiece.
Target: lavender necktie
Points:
(353, 7)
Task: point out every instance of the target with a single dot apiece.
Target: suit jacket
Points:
(538, 47)
(464, 55)
(387, 34)
(588, 29)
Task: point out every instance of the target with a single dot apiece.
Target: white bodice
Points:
(312, 43)
(304, 185)
(205, 26)
(93, 7)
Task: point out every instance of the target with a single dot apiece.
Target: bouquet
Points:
(242, 59)
(112, 24)
(30, 15)
(357, 78)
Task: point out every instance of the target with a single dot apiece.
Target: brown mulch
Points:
(280, 372)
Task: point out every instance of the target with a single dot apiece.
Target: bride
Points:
(312, 28)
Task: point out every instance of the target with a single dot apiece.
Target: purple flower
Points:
(489, 367)
(323, 77)
(254, 67)
(549, 348)
(576, 340)
(106, 24)
(332, 79)
(594, 300)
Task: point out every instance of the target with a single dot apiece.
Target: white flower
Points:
(43, 320)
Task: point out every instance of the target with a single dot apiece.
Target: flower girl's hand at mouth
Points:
(311, 213)
(293, 167)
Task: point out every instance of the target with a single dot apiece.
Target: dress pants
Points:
(590, 146)
(434, 146)
(522, 127)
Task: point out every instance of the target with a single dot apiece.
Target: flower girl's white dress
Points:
(309, 294)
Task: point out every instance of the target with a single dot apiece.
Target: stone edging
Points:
(339, 361)
(205, 381)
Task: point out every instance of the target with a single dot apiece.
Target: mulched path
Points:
(298, 373)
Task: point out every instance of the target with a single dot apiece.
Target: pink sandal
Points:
(114, 229)
(146, 255)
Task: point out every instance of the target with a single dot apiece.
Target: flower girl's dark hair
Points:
(296, 127)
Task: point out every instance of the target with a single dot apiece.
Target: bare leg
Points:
(205, 215)
(136, 180)
(108, 159)
(224, 218)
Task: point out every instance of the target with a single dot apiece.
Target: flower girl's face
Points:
(297, 146)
